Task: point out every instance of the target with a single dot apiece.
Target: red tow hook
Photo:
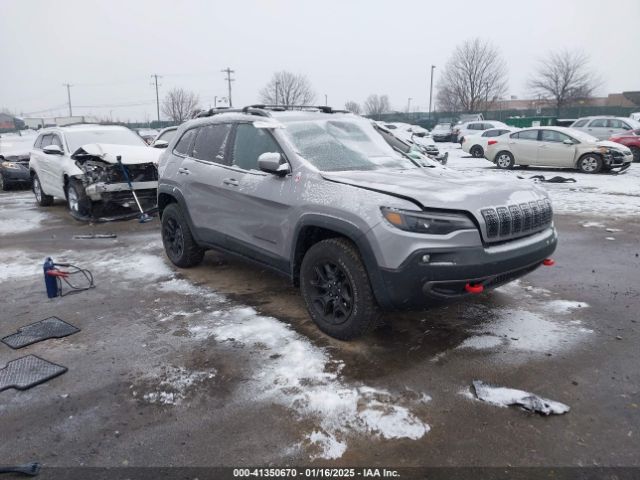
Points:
(478, 288)
(548, 262)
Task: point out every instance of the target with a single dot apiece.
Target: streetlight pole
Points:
(409, 105)
(433, 67)
(326, 103)
(277, 87)
(69, 97)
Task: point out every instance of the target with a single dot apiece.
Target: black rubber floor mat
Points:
(51, 327)
(27, 372)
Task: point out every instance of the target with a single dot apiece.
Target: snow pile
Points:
(19, 214)
(298, 375)
(504, 397)
(174, 385)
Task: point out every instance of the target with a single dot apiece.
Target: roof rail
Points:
(216, 111)
(282, 108)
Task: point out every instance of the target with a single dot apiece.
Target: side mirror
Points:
(160, 144)
(567, 142)
(273, 162)
(53, 150)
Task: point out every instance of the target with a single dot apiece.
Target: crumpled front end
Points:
(106, 184)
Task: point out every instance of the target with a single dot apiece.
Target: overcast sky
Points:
(348, 49)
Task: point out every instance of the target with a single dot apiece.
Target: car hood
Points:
(442, 189)
(617, 146)
(108, 152)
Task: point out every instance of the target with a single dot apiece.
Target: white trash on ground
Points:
(504, 397)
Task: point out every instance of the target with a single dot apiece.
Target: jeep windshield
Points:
(344, 144)
(115, 136)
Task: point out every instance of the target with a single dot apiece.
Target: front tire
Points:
(336, 289)
(636, 153)
(504, 160)
(476, 151)
(42, 198)
(77, 200)
(590, 163)
(179, 244)
(3, 185)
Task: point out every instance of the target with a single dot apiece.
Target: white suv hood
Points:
(108, 152)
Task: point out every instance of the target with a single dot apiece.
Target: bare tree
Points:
(375, 105)
(564, 77)
(179, 104)
(353, 107)
(447, 101)
(474, 75)
(286, 89)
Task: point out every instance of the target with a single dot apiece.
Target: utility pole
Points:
(277, 87)
(155, 76)
(228, 71)
(409, 105)
(433, 67)
(326, 103)
(68, 85)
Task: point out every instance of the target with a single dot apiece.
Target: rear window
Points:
(526, 135)
(580, 123)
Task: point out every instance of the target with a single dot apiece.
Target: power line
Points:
(155, 77)
(228, 71)
(68, 85)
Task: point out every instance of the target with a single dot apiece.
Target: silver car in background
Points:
(605, 127)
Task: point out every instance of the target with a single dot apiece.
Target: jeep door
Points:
(554, 152)
(261, 200)
(201, 177)
(524, 146)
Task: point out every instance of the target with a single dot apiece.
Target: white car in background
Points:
(85, 164)
(558, 147)
(442, 132)
(461, 130)
(476, 145)
(605, 127)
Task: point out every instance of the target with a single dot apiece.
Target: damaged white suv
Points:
(90, 166)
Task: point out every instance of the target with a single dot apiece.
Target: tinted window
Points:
(600, 122)
(46, 141)
(580, 123)
(211, 142)
(502, 132)
(553, 136)
(526, 135)
(38, 143)
(614, 123)
(475, 126)
(184, 144)
(250, 143)
(492, 133)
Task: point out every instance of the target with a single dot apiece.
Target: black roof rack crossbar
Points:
(250, 110)
(282, 108)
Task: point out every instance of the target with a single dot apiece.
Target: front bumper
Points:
(621, 162)
(417, 282)
(95, 190)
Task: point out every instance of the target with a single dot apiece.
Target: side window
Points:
(526, 135)
(615, 123)
(553, 136)
(491, 133)
(55, 140)
(475, 126)
(599, 122)
(38, 142)
(250, 143)
(581, 123)
(183, 146)
(211, 142)
(46, 141)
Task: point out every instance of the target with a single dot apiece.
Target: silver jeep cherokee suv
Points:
(319, 196)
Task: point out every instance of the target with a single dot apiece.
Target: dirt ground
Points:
(220, 364)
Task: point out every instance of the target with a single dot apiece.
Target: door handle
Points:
(232, 182)
(184, 171)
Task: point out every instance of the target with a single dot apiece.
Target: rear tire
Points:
(42, 198)
(3, 185)
(179, 244)
(476, 151)
(504, 160)
(78, 202)
(336, 289)
(590, 163)
(636, 153)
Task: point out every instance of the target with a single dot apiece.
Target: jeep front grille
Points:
(517, 220)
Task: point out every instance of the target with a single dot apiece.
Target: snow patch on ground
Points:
(174, 384)
(504, 397)
(294, 373)
(19, 213)
(16, 264)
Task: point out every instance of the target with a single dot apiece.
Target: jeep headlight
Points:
(433, 223)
